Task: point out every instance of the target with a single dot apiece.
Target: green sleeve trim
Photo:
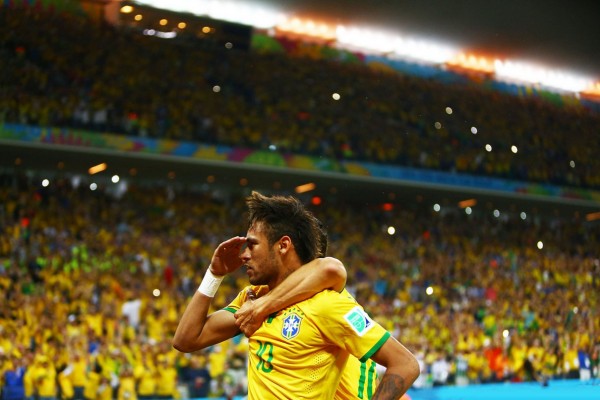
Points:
(230, 309)
(376, 347)
(272, 317)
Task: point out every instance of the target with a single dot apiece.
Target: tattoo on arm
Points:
(391, 387)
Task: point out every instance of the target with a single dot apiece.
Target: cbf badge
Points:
(359, 320)
(291, 326)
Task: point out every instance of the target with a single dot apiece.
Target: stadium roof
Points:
(534, 42)
(564, 34)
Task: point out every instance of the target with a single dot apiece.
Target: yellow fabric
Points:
(167, 383)
(127, 388)
(147, 379)
(90, 390)
(358, 381)
(304, 348)
(44, 381)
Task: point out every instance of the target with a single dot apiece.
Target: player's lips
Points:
(249, 269)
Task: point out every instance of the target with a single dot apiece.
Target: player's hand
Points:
(226, 257)
(248, 318)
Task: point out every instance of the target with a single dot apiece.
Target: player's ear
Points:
(285, 244)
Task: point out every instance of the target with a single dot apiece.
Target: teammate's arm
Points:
(197, 329)
(303, 283)
(402, 369)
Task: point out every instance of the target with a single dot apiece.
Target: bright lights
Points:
(438, 125)
(45, 183)
(523, 215)
(336, 96)
(429, 290)
(467, 203)
(514, 149)
(138, 17)
(97, 168)
(93, 186)
(159, 34)
(474, 130)
(473, 62)
(468, 211)
(391, 230)
(163, 22)
(448, 110)
(488, 148)
(572, 164)
(389, 44)
(592, 216)
(115, 178)
(540, 245)
(181, 25)
(307, 187)
(436, 207)
(156, 292)
(496, 213)
(505, 333)
(530, 73)
(216, 88)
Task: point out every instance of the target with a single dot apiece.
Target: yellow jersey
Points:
(358, 380)
(301, 351)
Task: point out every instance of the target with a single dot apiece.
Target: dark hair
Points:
(323, 238)
(286, 216)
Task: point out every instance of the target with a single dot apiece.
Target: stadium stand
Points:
(93, 284)
(93, 288)
(66, 71)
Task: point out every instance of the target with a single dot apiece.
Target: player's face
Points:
(261, 261)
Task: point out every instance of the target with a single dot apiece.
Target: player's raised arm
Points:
(303, 283)
(197, 329)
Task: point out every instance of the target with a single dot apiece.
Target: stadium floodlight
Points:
(530, 73)
(425, 51)
(363, 38)
(259, 16)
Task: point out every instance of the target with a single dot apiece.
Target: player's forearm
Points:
(402, 369)
(305, 282)
(391, 387)
(191, 324)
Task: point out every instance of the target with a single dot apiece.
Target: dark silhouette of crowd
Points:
(65, 70)
(93, 286)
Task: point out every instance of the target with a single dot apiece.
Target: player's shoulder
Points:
(330, 301)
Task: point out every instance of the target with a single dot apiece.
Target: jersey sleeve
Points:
(346, 324)
(242, 296)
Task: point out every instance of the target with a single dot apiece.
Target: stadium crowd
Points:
(64, 70)
(92, 286)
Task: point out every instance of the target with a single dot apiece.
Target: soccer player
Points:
(304, 348)
(359, 378)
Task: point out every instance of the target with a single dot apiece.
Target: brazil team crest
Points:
(359, 320)
(291, 326)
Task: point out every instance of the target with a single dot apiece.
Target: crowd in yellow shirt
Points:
(497, 308)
